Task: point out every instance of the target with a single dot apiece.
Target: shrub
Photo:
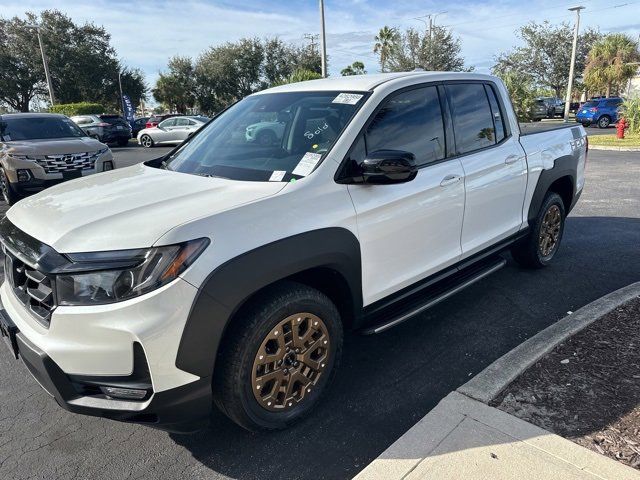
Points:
(81, 108)
(631, 112)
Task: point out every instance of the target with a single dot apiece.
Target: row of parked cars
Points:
(598, 111)
(38, 150)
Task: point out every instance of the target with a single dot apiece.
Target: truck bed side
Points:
(556, 160)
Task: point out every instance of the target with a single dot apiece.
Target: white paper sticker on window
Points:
(307, 164)
(277, 176)
(347, 98)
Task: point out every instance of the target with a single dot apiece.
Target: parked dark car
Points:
(138, 124)
(105, 128)
(154, 120)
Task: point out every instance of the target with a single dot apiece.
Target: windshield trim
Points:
(161, 162)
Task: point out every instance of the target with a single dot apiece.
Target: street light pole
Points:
(44, 62)
(323, 41)
(567, 101)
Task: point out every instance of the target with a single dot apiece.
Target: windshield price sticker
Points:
(307, 164)
(347, 98)
(277, 176)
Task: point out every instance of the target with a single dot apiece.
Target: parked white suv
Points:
(227, 271)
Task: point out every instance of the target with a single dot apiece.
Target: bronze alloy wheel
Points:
(290, 362)
(550, 231)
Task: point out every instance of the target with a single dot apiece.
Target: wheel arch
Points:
(326, 259)
(560, 179)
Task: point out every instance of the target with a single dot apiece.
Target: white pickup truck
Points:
(226, 272)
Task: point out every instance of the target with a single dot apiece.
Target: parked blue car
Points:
(602, 112)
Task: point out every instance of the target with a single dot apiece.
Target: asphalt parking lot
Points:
(385, 384)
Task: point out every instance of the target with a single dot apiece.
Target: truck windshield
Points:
(37, 128)
(268, 137)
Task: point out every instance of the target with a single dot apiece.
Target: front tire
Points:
(538, 248)
(146, 141)
(9, 195)
(278, 358)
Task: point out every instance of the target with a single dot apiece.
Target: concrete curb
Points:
(485, 386)
(614, 148)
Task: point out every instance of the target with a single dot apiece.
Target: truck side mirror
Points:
(384, 167)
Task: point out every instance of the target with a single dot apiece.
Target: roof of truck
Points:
(364, 83)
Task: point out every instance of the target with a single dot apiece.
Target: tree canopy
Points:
(411, 49)
(226, 73)
(356, 68)
(82, 63)
(611, 62)
(545, 56)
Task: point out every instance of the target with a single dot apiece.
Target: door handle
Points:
(450, 180)
(511, 159)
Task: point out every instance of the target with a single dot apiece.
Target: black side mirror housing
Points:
(384, 167)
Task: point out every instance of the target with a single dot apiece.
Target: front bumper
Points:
(184, 409)
(85, 347)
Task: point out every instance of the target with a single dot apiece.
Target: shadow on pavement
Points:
(387, 382)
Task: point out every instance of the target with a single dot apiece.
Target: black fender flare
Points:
(566, 166)
(228, 287)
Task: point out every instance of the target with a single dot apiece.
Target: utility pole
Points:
(44, 62)
(323, 41)
(121, 97)
(312, 40)
(567, 100)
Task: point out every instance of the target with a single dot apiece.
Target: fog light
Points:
(125, 393)
(106, 166)
(24, 175)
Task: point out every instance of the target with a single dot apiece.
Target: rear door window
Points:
(472, 119)
(410, 121)
(496, 113)
(182, 122)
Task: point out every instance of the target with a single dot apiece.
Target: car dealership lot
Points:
(386, 383)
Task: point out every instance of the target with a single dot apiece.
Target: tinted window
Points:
(112, 119)
(472, 120)
(182, 122)
(496, 112)
(410, 121)
(613, 103)
(590, 104)
(32, 128)
(167, 123)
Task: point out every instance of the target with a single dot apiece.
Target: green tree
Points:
(82, 63)
(522, 92)
(385, 42)
(611, 62)
(176, 88)
(300, 75)
(440, 51)
(546, 54)
(356, 68)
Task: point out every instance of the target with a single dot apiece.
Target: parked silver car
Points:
(38, 150)
(171, 130)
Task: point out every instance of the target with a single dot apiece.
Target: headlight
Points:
(19, 157)
(144, 270)
(102, 151)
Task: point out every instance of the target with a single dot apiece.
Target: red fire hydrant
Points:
(620, 128)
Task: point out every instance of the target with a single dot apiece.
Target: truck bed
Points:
(539, 127)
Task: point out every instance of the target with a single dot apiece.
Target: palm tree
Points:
(610, 62)
(385, 41)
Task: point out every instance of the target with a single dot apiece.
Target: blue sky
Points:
(146, 33)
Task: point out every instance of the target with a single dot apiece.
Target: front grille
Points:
(68, 162)
(33, 289)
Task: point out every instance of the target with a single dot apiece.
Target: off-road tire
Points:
(233, 382)
(528, 251)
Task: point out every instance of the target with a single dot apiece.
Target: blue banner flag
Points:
(127, 107)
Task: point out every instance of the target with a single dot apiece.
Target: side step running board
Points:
(433, 300)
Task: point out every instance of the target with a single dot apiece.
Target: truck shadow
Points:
(387, 382)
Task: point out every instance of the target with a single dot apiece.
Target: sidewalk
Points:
(464, 438)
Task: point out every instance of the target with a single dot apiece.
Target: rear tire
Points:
(278, 358)
(539, 247)
(146, 141)
(9, 195)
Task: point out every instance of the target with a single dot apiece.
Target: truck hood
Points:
(55, 146)
(127, 208)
